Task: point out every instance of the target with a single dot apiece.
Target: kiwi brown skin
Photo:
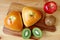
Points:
(50, 20)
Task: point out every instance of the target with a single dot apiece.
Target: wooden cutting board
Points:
(4, 8)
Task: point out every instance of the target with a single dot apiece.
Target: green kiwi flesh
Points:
(26, 33)
(37, 32)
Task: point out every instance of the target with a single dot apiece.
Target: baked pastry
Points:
(13, 21)
(30, 16)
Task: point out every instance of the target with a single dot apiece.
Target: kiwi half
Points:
(26, 33)
(37, 32)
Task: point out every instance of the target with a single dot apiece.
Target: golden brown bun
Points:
(13, 21)
(30, 16)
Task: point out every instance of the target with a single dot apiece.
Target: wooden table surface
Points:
(4, 6)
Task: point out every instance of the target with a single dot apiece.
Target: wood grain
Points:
(4, 7)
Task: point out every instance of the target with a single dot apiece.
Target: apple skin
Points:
(50, 7)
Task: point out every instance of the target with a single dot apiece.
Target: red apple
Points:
(50, 7)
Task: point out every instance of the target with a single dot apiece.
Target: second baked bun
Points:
(30, 16)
